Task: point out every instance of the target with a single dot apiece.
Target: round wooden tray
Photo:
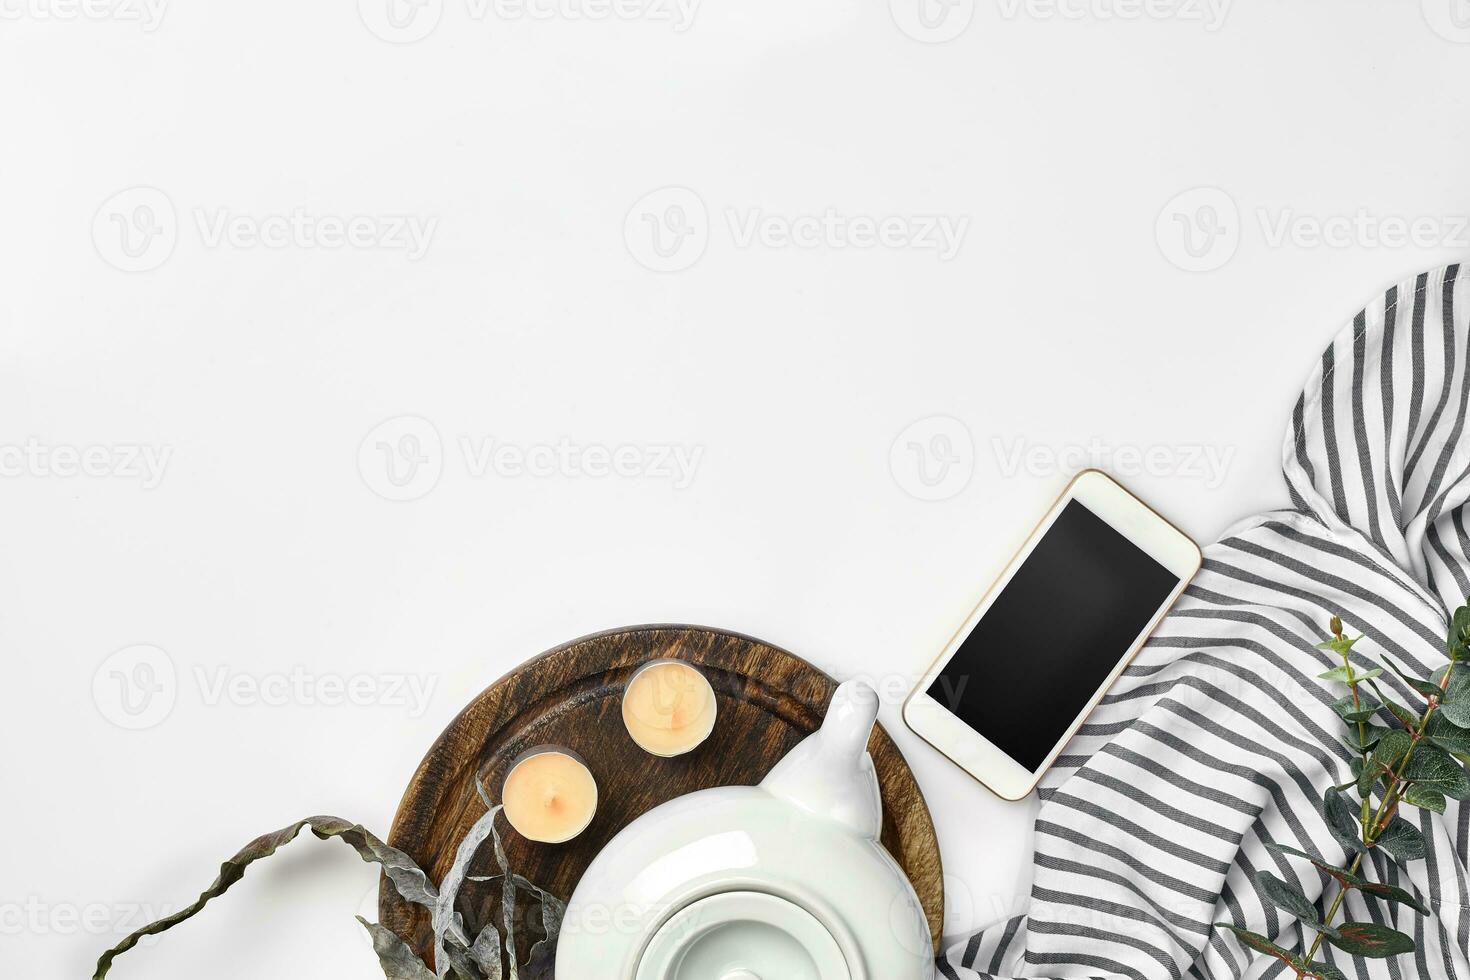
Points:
(769, 700)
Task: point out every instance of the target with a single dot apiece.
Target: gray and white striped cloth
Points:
(1220, 738)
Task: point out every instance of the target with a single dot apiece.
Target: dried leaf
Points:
(406, 876)
(394, 956)
(448, 925)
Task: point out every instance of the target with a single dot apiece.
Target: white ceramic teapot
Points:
(781, 881)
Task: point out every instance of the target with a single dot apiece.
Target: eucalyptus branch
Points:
(1413, 763)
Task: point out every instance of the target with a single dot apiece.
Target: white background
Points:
(267, 550)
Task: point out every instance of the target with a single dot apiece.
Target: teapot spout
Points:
(831, 774)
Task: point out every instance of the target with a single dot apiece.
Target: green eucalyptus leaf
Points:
(1389, 893)
(1368, 773)
(1454, 703)
(1402, 839)
(1434, 768)
(1447, 735)
(1347, 879)
(1424, 688)
(1404, 715)
(1371, 939)
(1318, 971)
(1350, 675)
(1391, 749)
(1289, 899)
(1360, 744)
(1424, 798)
(1261, 944)
(1361, 710)
(1338, 645)
(1342, 821)
(1457, 644)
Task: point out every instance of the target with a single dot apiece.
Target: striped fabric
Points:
(1220, 739)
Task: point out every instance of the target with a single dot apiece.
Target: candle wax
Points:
(549, 797)
(669, 708)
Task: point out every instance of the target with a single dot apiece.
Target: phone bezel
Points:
(1137, 522)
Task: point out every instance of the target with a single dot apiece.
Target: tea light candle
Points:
(669, 708)
(549, 795)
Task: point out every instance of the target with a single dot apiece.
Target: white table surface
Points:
(286, 607)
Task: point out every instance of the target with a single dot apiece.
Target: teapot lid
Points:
(743, 935)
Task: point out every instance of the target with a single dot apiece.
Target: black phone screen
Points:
(1053, 635)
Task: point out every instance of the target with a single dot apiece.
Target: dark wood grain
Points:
(769, 700)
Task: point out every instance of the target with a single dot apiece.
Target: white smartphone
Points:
(1050, 637)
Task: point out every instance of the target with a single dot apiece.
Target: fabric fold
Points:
(1219, 738)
